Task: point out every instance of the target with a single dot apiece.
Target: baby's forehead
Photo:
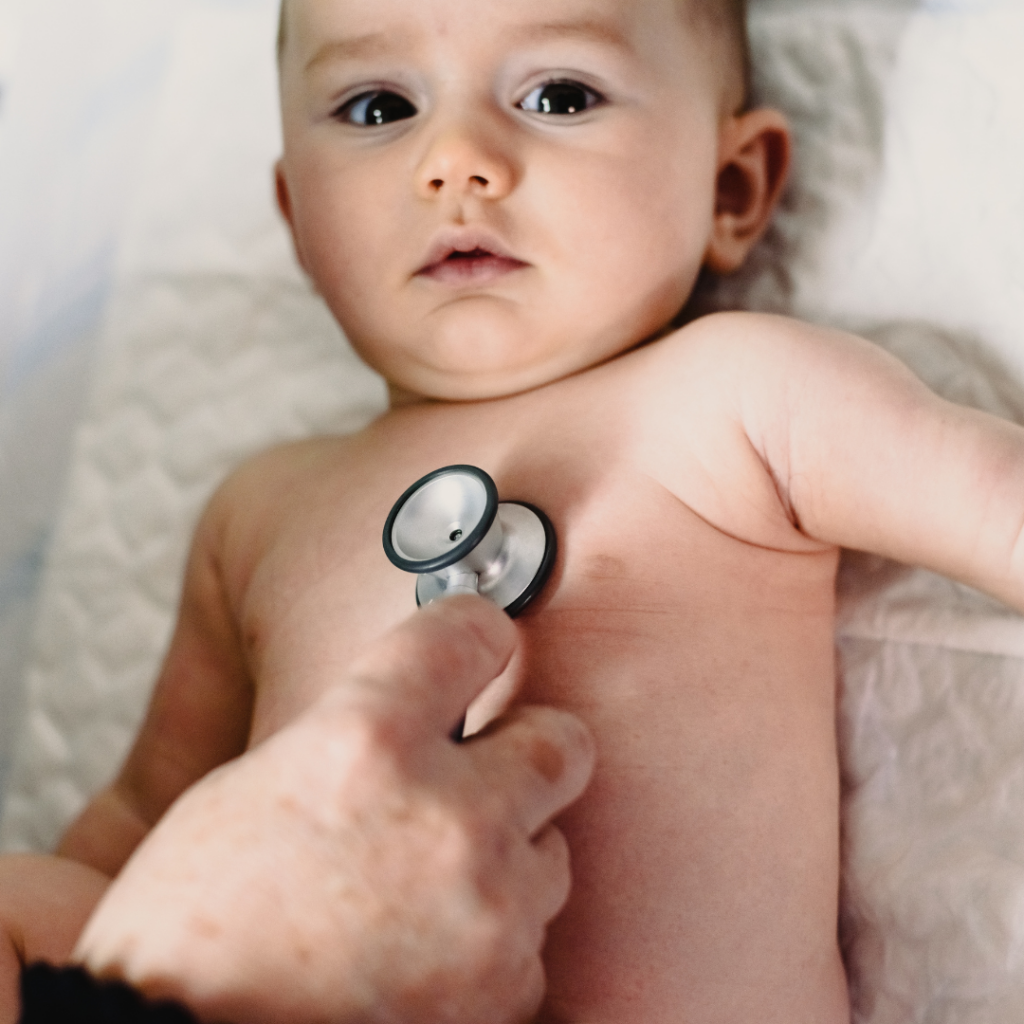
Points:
(395, 13)
(721, 24)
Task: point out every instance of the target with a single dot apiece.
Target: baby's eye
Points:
(561, 98)
(377, 107)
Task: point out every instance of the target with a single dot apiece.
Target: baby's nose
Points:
(458, 164)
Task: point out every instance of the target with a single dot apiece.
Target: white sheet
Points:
(212, 347)
(76, 81)
(938, 236)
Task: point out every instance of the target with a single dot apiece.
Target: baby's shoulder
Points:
(757, 366)
(730, 345)
(714, 407)
(705, 372)
(287, 468)
(277, 485)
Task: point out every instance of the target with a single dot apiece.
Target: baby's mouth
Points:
(470, 267)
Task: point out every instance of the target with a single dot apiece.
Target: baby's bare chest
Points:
(646, 602)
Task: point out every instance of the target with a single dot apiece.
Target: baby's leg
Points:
(44, 904)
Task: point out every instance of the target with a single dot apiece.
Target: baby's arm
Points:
(44, 903)
(198, 718)
(864, 456)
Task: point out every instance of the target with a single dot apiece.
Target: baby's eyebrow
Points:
(373, 44)
(585, 29)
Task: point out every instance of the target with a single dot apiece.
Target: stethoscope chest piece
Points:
(450, 529)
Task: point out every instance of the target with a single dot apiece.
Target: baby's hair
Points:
(727, 17)
(281, 29)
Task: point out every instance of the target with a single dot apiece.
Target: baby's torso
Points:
(702, 661)
(644, 584)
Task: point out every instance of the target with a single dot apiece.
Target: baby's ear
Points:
(284, 204)
(753, 161)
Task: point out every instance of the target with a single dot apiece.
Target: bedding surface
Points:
(77, 80)
(211, 347)
(905, 204)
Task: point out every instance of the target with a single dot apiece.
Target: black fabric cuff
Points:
(70, 995)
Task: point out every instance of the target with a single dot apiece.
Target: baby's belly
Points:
(705, 853)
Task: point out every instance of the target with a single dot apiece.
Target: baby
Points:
(506, 205)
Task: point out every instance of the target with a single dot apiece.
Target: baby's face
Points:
(493, 194)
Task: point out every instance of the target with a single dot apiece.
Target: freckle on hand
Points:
(548, 760)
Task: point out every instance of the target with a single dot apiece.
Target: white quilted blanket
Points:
(908, 204)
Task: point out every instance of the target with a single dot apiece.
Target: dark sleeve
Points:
(70, 995)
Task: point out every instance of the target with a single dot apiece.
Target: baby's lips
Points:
(464, 244)
(476, 267)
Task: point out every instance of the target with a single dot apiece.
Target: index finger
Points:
(432, 665)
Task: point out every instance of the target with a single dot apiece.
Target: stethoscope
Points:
(451, 530)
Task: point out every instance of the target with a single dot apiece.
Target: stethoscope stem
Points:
(462, 583)
(452, 532)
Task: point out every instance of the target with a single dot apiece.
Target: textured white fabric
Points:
(213, 347)
(931, 731)
(77, 79)
(906, 202)
(938, 235)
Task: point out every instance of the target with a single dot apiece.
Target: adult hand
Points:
(359, 865)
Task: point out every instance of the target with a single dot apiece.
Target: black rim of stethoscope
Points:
(547, 563)
(465, 545)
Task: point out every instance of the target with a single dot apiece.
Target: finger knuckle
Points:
(479, 838)
(504, 947)
(363, 739)
(357, 751)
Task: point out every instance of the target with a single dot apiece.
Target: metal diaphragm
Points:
(450, 529)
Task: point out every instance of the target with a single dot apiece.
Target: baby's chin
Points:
(475, 348)
(416, 380)
(469, 357)
(467, 380)
(486, 381)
